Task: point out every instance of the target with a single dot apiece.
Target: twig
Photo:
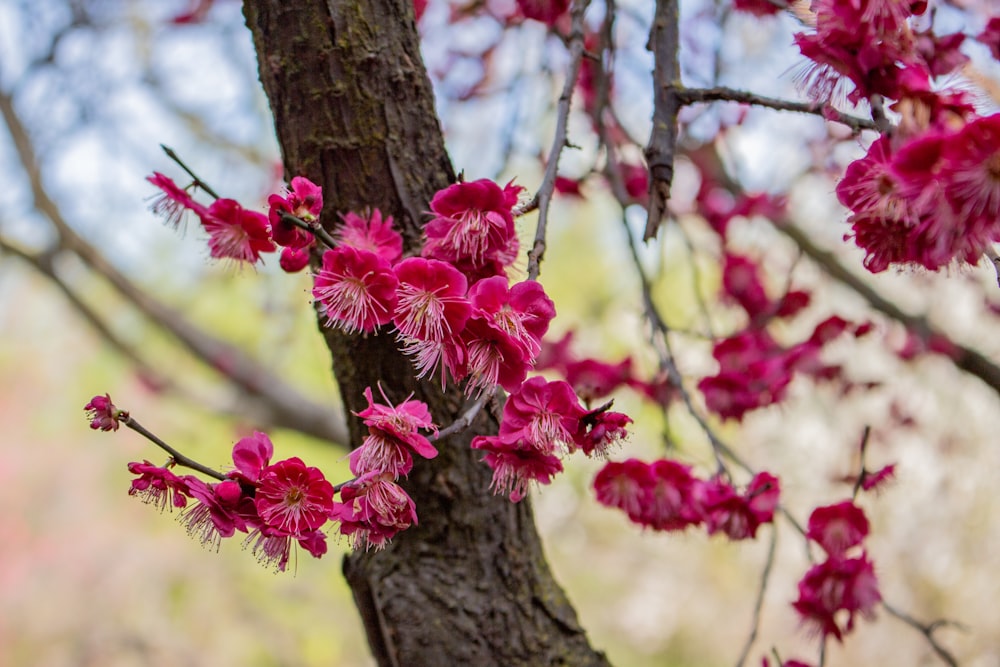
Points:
(927, 631)
(724, 94)
(544, 195)
(864, 450)
(313, 228)
(178, 458)
(197, 181)
(291, 409)
(464, 420)
(664, 42)
(759, 604)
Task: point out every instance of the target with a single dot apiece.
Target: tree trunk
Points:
(354, 112)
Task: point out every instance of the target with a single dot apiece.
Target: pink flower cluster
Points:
(452, 308)
(286, 502)
(375, 507)
(665, 495)
(273, 503)
(929, 193)
(832, 592)
(541, 422)
(233, 232)
(755, 371)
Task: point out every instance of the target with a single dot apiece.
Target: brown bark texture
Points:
(354, 112)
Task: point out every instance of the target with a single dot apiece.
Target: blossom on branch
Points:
(236, 233)
(356, 289)
(103, 414)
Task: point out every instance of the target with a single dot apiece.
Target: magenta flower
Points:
(304, 201)
(545, 11)
(236, 233)
(523, 311)
(838, 528)
(624, 485)
(515, 465)
(251, 455)
(593, 379)
(293, 498)
(600, 430)
(173, 201)
(544, 414)
(272, 546)
(293, 260)
(157, 486)
(473, 224)
(493, 357)
(431, 302)
(221, 510)
(356, 288)
(835, 585)
(374, 509)
(103, 414)
(392, 437)
(375, 234)
(738, 515)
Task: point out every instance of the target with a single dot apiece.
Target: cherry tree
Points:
(458, 400)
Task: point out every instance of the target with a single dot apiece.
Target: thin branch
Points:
(465, 419)
(178, 458)
(927, 631)
(724, 94)
(544, 195)
(759, 604)
(197, 181)
(291, 409)
(313, 228)
(664, 42)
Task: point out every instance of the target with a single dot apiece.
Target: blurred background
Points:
(97, 295)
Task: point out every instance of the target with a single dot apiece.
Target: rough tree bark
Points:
(354, 111)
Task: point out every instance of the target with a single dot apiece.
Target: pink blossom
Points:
(304, 201)
(221, 510)
(600, 430)
(293, 260)
(473, 223)
(741, 282)
(875, 481)
(738, 515)
(373, 233)
(544, 414)
(236, 233)
(293, 498)
(103, 414)
(757, 7)
(515, 465)
(546, 11)
(157, 486)
(662, 495)
(374, 509)
(356, 288)
(990, 36)
(838, 528)
(523, 311)
(392, 437)
(593, 379)
(493, 357)
(431, 310)
(173, 201)
(251, 455)
(624, 485)
(835, 585)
